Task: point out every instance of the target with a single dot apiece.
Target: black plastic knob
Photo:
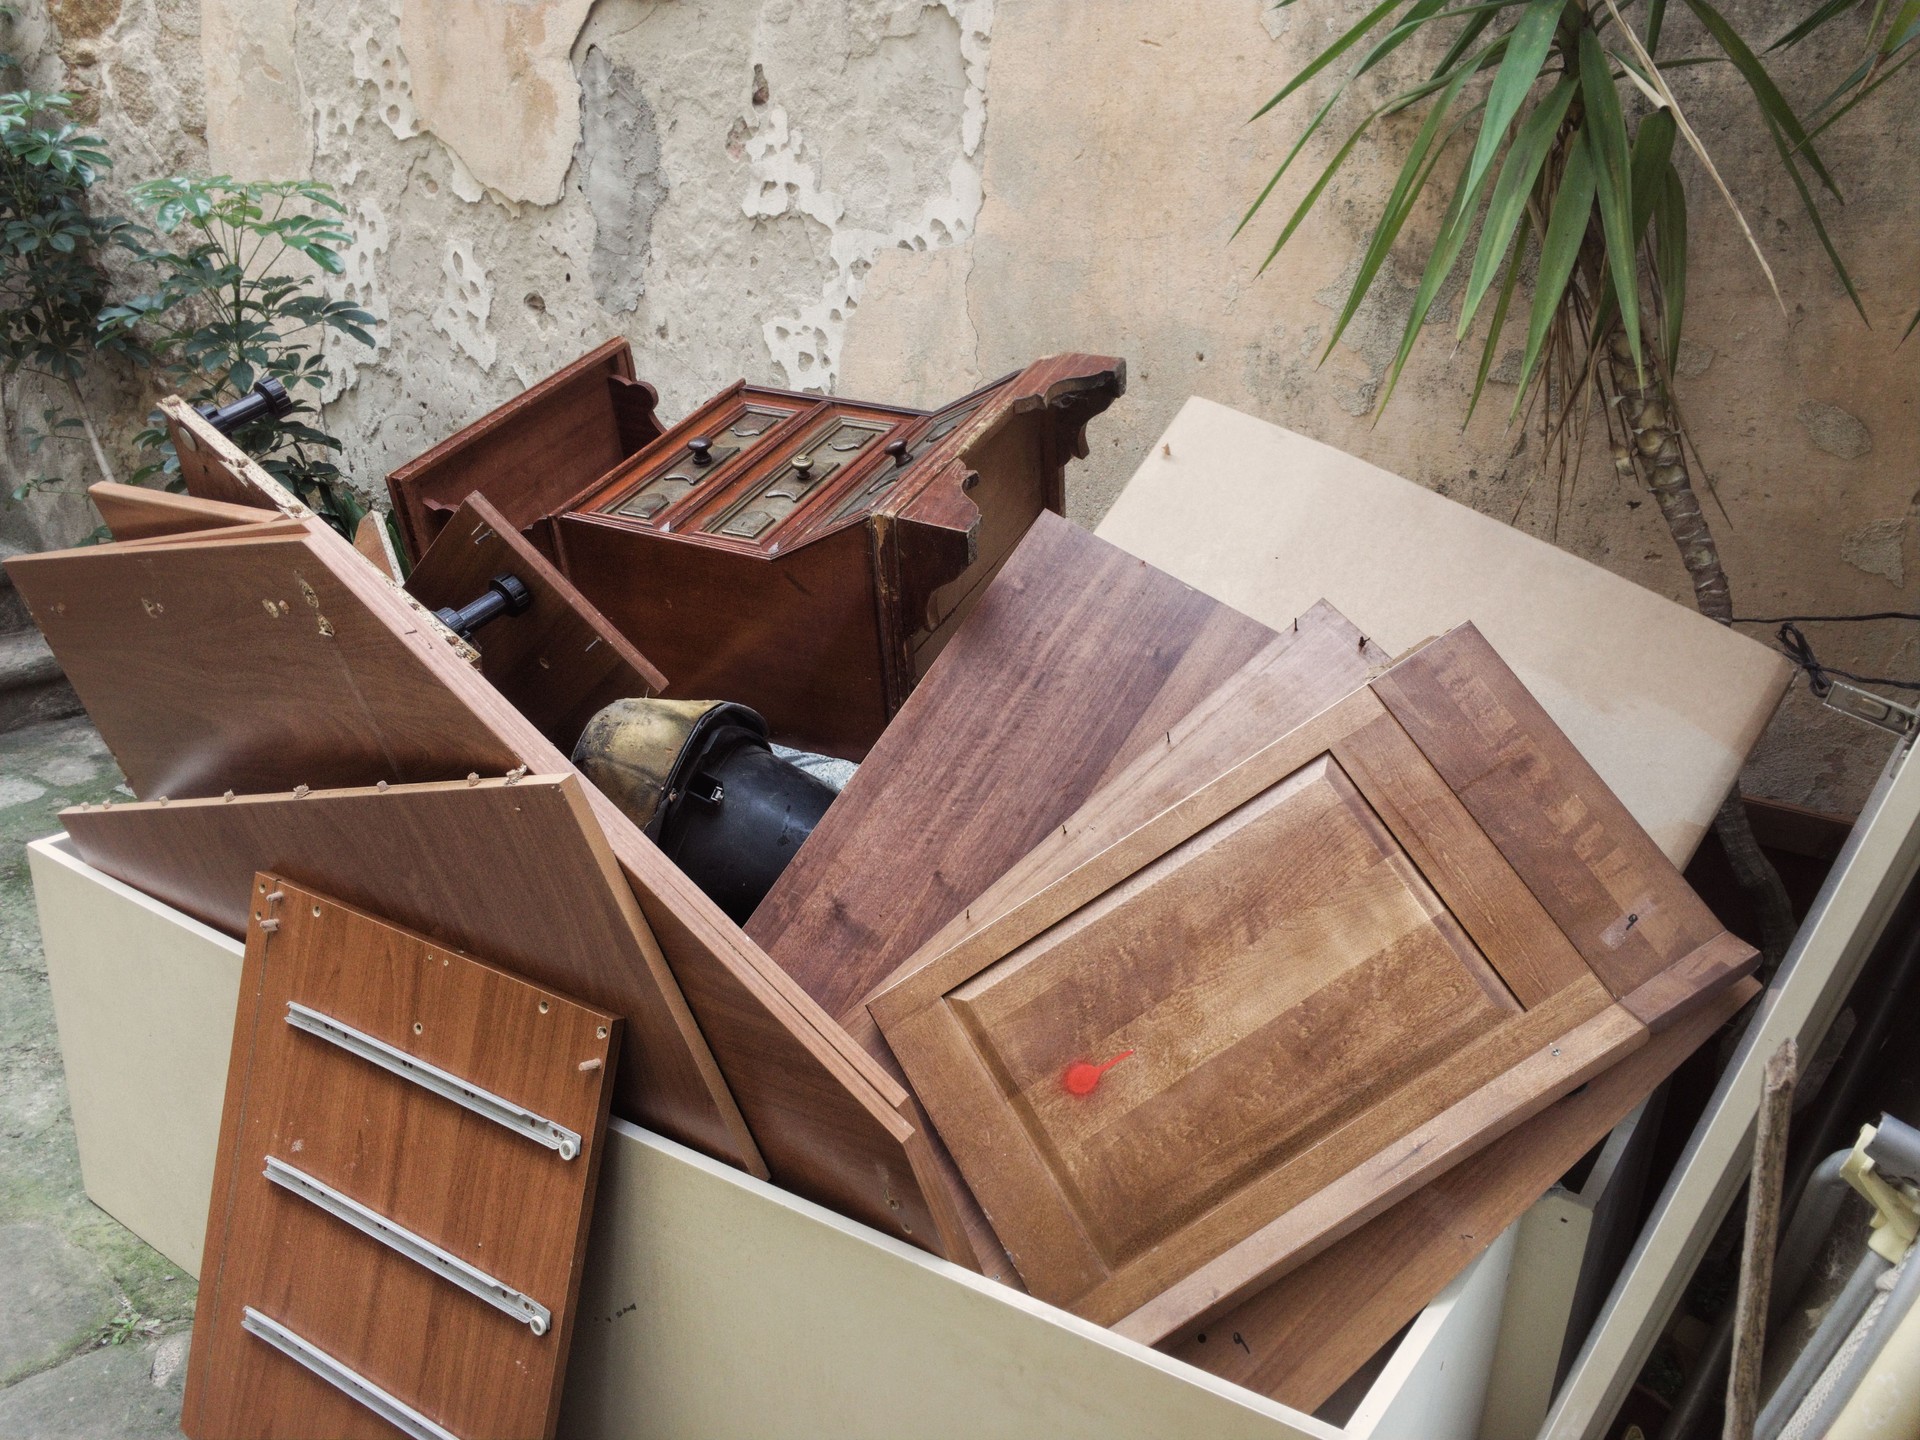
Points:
(268, 397)
(701, 449)
(504, 595)
(898, 449)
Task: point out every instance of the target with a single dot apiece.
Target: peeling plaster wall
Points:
(899, 198)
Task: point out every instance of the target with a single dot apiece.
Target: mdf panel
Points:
(454, 1176)
(1663, 702)
(790, 635)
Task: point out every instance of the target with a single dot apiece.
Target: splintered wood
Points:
(406, 1176)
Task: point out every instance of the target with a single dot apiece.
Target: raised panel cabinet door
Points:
(1209, 1042)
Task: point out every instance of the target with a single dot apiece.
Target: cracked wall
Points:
(897, 199)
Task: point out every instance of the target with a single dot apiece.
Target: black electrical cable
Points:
(1797, 648)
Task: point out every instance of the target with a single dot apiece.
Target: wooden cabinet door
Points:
(1221, 1037)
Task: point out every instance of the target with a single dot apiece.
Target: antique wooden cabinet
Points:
(805, 555)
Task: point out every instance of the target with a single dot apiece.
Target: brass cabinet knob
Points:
(801, 464)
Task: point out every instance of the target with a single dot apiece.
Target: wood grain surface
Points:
(830, 1123)
(1219, 954)
(249, 666)
(1617, 898)
(535, 452)
(561, 662)
(518, 872)
(1300, 1339)
(135, 512)
(493, 1198)
(1076, 657)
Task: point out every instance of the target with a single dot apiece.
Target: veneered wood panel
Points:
(134, 512)
(1307, 1333)
(1044, 686)
(1132, 947)
(247, 667)
(516, 871)
(561, 661)
(830, 1123)
(1606, 884)
(533, 454)
(791, 635)
(493, 1198)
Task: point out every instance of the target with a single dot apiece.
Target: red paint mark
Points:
(1083, 1075)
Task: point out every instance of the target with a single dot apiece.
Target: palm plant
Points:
(1567, 131)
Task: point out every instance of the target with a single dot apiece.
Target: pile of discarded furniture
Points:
(1181, 952)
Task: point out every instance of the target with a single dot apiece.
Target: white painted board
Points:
(1663, 702)
(714, 1304)
(1873, 872)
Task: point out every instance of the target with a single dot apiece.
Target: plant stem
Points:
(93, 436)
(1655, 453)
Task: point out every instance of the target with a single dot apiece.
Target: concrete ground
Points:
(93, 1322)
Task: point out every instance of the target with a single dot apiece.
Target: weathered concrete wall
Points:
(897, 199)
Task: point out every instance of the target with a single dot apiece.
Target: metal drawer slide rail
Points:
(431, 1077)
(397, 1413)
(417, 1248)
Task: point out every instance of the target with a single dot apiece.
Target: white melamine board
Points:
(1871, 875)
(714, 1304)
(144, 1000)
(1663, 702)
(1549, 1247)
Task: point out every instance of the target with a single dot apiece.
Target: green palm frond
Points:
(1562, 131)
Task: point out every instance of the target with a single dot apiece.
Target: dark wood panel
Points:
(559, 663)
(1305, 1335)
(533, 454)
(790, 635)
(1606, 884)
(518, 872)
(1040, 690)
(493, 1198)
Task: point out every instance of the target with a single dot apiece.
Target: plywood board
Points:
(414, 1165)
(559, 663)
(516, 871)
(1662, 702)
(1324, 922)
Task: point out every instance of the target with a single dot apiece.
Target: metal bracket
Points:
(1874, 709)
(397, 1413)
(416, 1248)
(521, 1121)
